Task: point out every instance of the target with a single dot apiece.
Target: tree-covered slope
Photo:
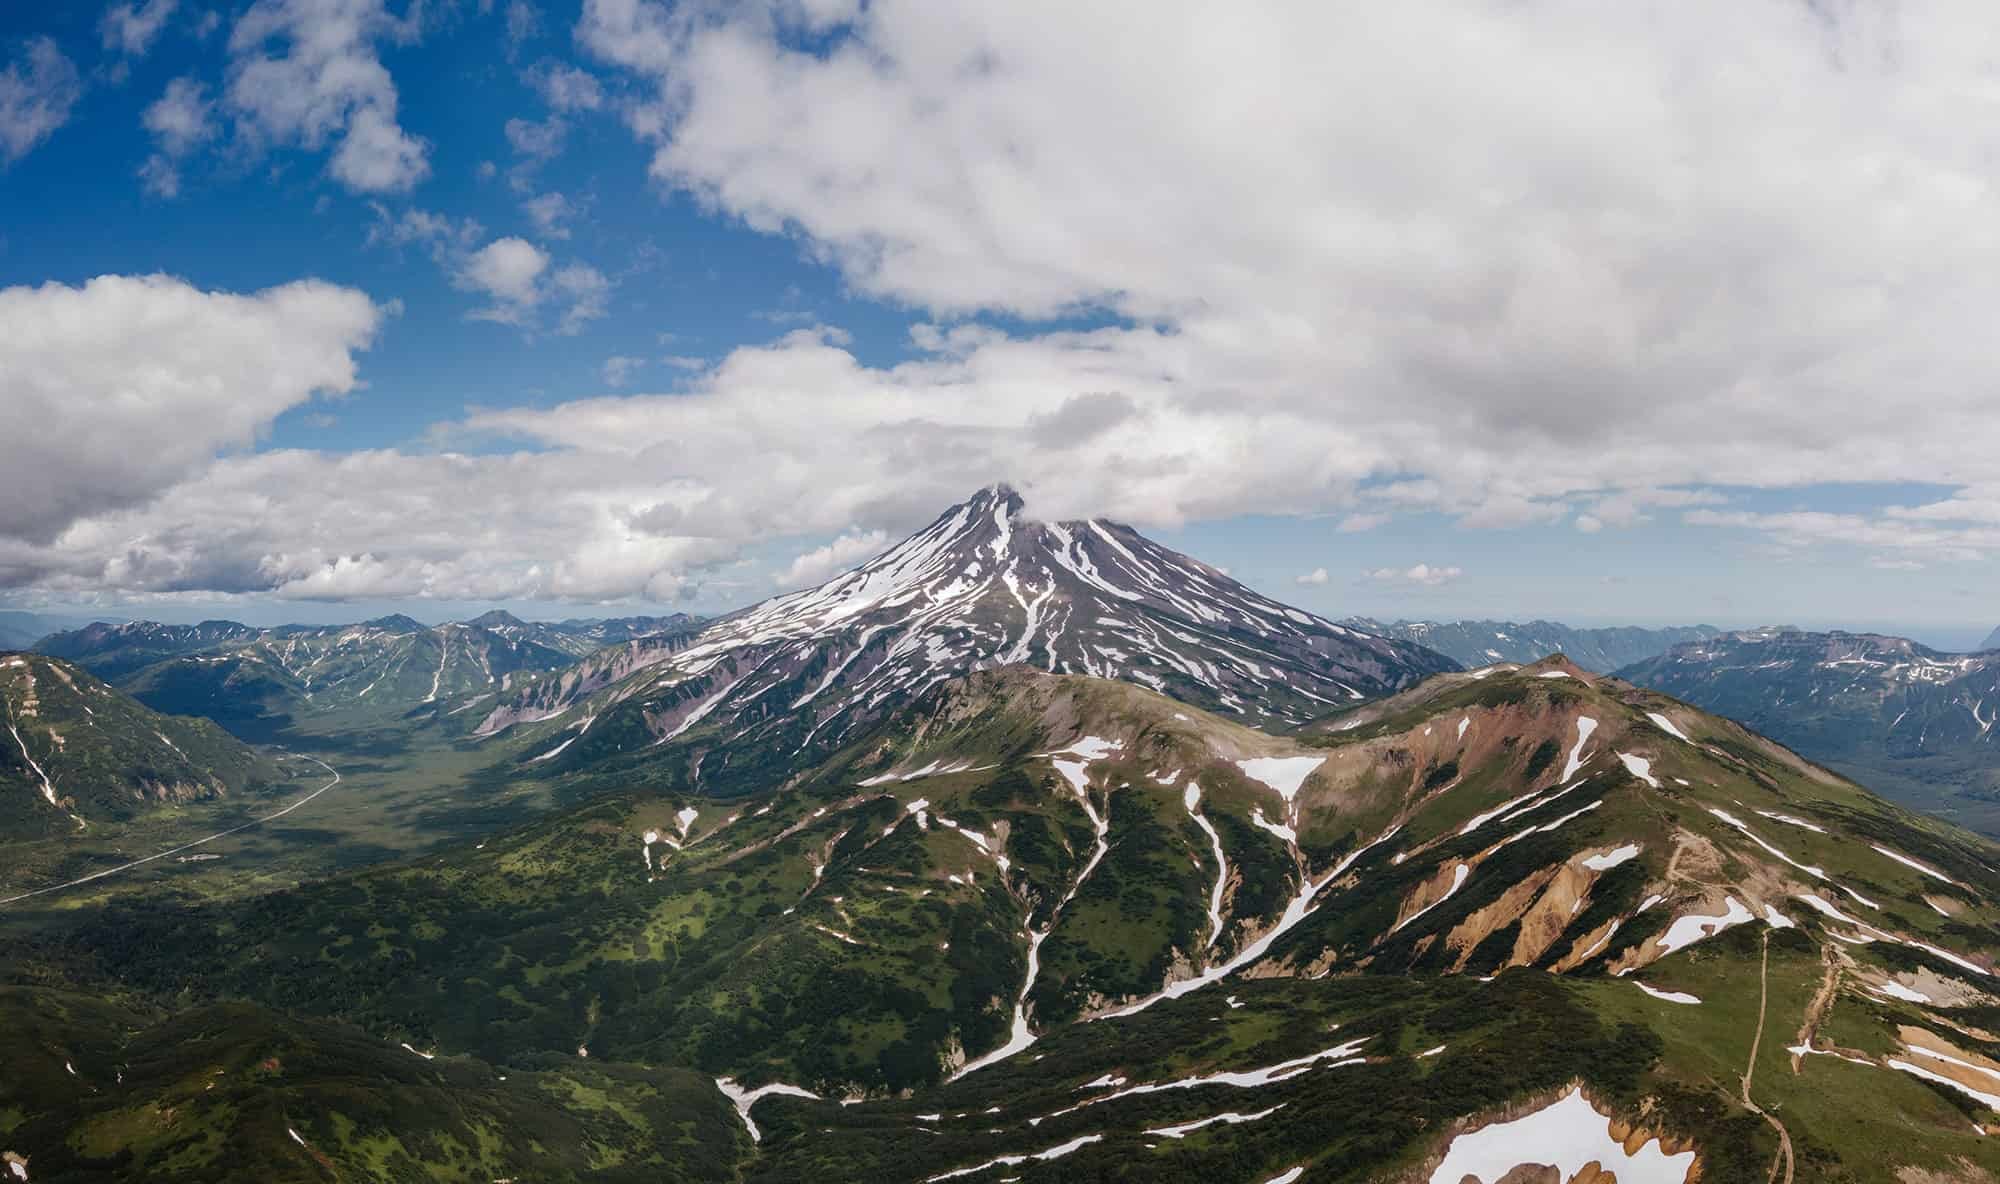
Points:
(75, 751)
(1108, 915)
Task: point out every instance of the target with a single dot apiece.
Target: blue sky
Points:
(612, 304)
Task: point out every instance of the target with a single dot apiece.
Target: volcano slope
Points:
(749, 699)
(1055, 927)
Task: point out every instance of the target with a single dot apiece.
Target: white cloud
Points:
(129, 29)
(821, 563)
(537, 140)
(1421, 575)
(1358, 522)
(1604, 260)
(131, 384)
(519, 280)
(443, 236)
(586, 292)
(550, 213)
(1520, 301)
(181, 119)
(619, 369)
(37, 91)
(565, 87)
(1891, 535)
(325, 81)
(1314, 577)
(524, 21)
(376, 156)
(509, 271)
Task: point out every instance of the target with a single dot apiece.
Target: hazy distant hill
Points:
(257, 681)
(1908, 720)
(1481, 643)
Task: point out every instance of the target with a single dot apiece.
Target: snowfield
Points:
(1568, 1133)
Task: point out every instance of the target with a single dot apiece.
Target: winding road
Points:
(221, 834)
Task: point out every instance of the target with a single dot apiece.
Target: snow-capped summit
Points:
(983, 586)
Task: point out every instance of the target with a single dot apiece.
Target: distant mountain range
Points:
(20, 630)
(256, 681)
(1914, 722)
(1482, 643)
(981, 586)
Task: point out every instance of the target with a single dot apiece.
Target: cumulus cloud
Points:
(1422, 575)
(1313, 578)
(306, 72)
(127, 385)
(509, 271)
(1605, 262)
(1595, 261)
(518, 280)
(129, 29)
(821, 563)
(37, 90)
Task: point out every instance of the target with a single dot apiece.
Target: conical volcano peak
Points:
(982, 586)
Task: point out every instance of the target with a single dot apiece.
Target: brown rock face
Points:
(1559, 903)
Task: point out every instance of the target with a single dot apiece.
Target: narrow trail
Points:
(1822, 1002)
(1784, 1155)
(221, 834)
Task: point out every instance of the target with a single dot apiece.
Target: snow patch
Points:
(1692, 927)
(1639, 767)
(744, 1099)
(1282, 773)
(1056, 1152)
(1232, 1118)
(1669, 996)
(1611, 859)
(1896, 990)
(1584, 727)
(1666, 725)
(1906, 861)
